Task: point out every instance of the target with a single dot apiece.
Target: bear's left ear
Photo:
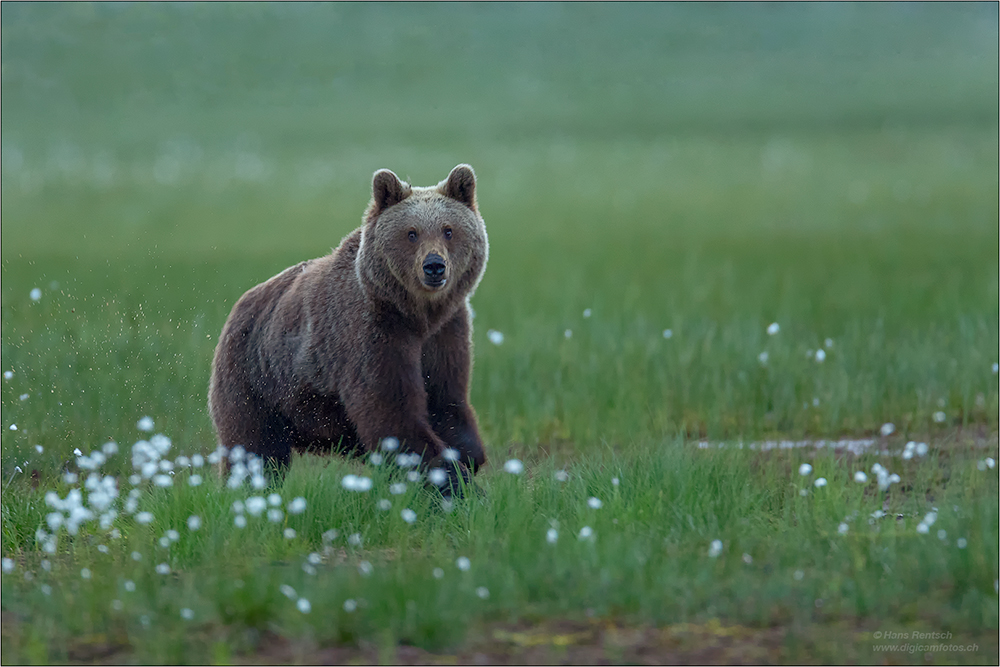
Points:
(460, 185)
(387, 190)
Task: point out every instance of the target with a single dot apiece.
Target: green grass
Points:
(708, 169)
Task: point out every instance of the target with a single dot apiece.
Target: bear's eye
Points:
(447, 232)
(412, 235)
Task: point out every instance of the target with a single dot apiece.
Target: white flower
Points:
(773, 328)
(129, 585)
(842, 529)
(144, 517)
(762, 357)
(921, 449)
(194, 522)
(8, 565)
(407, 460)
(354, 539)
(145, 424)
(187, 614)
(614, 481)
(450, 454)
(940, 416)
(258, 482)
(568, 333)
(930, 518)
(12, 427)
(594, 503)
(922, 528)
(384, 505)
(163, 568)
(803, 492)
(274, 500)
(173, 535)
(805, 469)
(194, 480)
(551, 535)
(240, 521)
(85, 573)
(274, 515)
(390, 444)
(255, 505)
(197, 461)
(995, 369)
(136, 556)
(495, 336)
(828, 343)
(668, 333)
(163, 480)
(820, 482)
(483, 592)
(585, 533)
(9, 374)
(961, 543)
(820, 356)
(350, 605)
(586, 312)
(990, 463)
(35, 294)
(438, 573)
(860, 477)
(463, 564)
(289, 533)
(70, 478)
(437, 476)
(288, 591)
(942, 534)
(798, 575)
(715, 549)
(375, 459)
(409, 516)
(365, 568)
(747, 558)
(397, 489)
(297, 506)
(303, 605)
(888, 428)
(329, 536)
(514, 467)
(560, 475)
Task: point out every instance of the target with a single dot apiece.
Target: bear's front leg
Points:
(447, 367)
(386, 398)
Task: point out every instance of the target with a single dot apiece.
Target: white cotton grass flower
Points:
(314, 558)
(585, 533)
(820, 482)
(297, 506)
(437, 476)
(763, 357)
(995, 368)
(715, 548)
(843, 528)
(587, 312)
(85, 573)
(288, 591)
(173, 535)
(194, 480)
(7, 375)
(194, 522)
(495, 336)
(747, 558)
(773, 328)
(35, 294)
(939, 417)
(289, 533)
(365, 568)
(354, 539)
(560, 476)
(255, 505)
(356, 483)
(483, 592)
(12, 427)
(274, 500)
(860, 477)
(568, 333)
(409, 516)
(921, 449)
(376, 459)
(144, 517)
(383, 505)
(887, 429)
(407, 460)
(438, 573)
(163, 568)
(397, 489)
(136, 556)
(828, 343)
(514, 467)
(798, 575)
(820, 356)
(240, 521)
(805, 469)
(668, 333)
(961, 543)
(274, 515)
(389, 444)
(413, 476)
(942, 534)
(303, 605)
(187, 613)
(923, 528)
(8, 565)
(350, 605)
(25, 397)
(329, 536)
(594, 503)
(450, 454)
(463, 563)
(129, 586)
(145, 424)
(551, 535)
(163, 481)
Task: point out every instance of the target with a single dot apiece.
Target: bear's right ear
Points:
(387, 190)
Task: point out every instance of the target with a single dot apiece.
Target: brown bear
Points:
(371, 342)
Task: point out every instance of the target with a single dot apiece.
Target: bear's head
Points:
(422, 245)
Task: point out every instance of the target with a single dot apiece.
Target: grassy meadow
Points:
(660, 184)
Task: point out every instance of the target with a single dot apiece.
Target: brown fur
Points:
(348, 349)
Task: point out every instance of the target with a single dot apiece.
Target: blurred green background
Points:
(708, 168)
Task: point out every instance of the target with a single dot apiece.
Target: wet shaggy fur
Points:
(370, 342)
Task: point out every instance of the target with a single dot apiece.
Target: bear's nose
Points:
(434, 267)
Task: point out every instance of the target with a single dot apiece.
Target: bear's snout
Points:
(434, 269)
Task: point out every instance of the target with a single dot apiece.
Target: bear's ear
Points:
(387, 190)
(460, 185)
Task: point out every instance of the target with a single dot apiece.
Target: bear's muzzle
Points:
(434, 270)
